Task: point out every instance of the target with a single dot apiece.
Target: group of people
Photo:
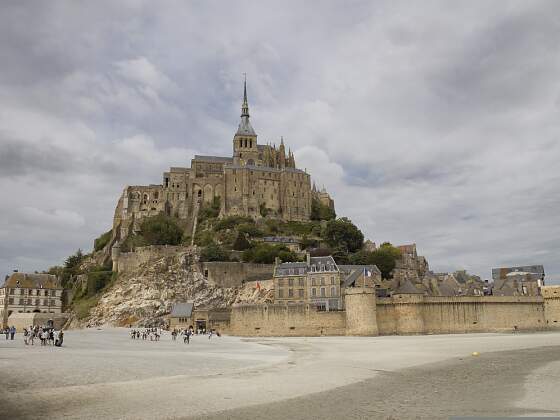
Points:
(153, 334)
(46, 335)
(10, 332)
(187, 333)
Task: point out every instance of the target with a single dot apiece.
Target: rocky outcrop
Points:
(144, 293)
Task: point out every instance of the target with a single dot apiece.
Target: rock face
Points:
(145, 293)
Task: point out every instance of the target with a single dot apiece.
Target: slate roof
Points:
(219, 159)
(407, 288)
(348, 268)
(183, 310)
(33, 281)
(245, 128)
(498, 273)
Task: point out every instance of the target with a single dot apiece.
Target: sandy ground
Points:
(105, 374)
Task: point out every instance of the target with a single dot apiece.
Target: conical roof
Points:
(407, 288)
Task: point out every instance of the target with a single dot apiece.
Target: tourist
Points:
(7, 332)
(58, 342)
(12, 332)
(210, 334)
(31, 335)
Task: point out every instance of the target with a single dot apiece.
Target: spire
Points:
(245, 128)
(245, 105)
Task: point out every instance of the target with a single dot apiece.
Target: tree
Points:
(241, 243)
(320, 211)
(342, 233)
(385, 258)
(214, 252)
(161, 230)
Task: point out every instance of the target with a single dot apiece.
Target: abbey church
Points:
(257, 180)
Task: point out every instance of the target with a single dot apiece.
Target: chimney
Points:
(308, 258)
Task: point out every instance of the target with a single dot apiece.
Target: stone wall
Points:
(25, 320)
(234, 274)
(131, 261)
(551, 295)
(285, 320)
(401, 314)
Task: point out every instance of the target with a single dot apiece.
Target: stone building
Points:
(30, 293)
(517, 281)
(257, 180)
(320, 282)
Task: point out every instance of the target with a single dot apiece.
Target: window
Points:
(290, 292)
(291, 282)
(313, 281)
(53, 302)
(53, 293)
(332, 280)
(21, 302)
(313, 292)
(322, 281)
(300, 293)
(323, 292)
(333, 291)
(300, 282)
(46, 293)
(280, 293)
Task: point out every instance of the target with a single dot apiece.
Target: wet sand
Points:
(491, 385)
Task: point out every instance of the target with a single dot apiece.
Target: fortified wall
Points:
(234, 274)
(401, 314)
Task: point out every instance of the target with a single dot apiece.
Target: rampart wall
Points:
(285, 320)
(551, 296)
(234, 274)
(402, 314)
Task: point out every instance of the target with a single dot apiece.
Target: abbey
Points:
(257, 180)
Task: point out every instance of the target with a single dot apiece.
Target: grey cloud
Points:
(431, 122)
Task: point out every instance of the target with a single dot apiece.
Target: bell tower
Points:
(245, 151)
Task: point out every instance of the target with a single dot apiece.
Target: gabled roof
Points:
(407, 288)
(183, 310)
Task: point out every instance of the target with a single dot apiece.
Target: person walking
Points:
(12, 332)
(7, 332)
(60, 339)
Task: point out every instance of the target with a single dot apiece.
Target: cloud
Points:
(429, 123)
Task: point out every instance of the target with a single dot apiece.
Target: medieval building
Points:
(257, 180)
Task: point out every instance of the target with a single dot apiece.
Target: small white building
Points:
(30, 293)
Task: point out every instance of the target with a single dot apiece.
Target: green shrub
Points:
(102, 241)
(231, 222)
(241, 243)
(161, 230)
(82, 307)
(214, 252)
(209, 211)
(132, 242)
(250, 230)
(266, 254)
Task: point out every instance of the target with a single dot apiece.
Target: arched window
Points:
(199, 193)
(156, 195)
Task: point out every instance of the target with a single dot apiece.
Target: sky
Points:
(432, 122)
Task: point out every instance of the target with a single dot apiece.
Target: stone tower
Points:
(408, 301)
(245, 151)
(361, 311)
